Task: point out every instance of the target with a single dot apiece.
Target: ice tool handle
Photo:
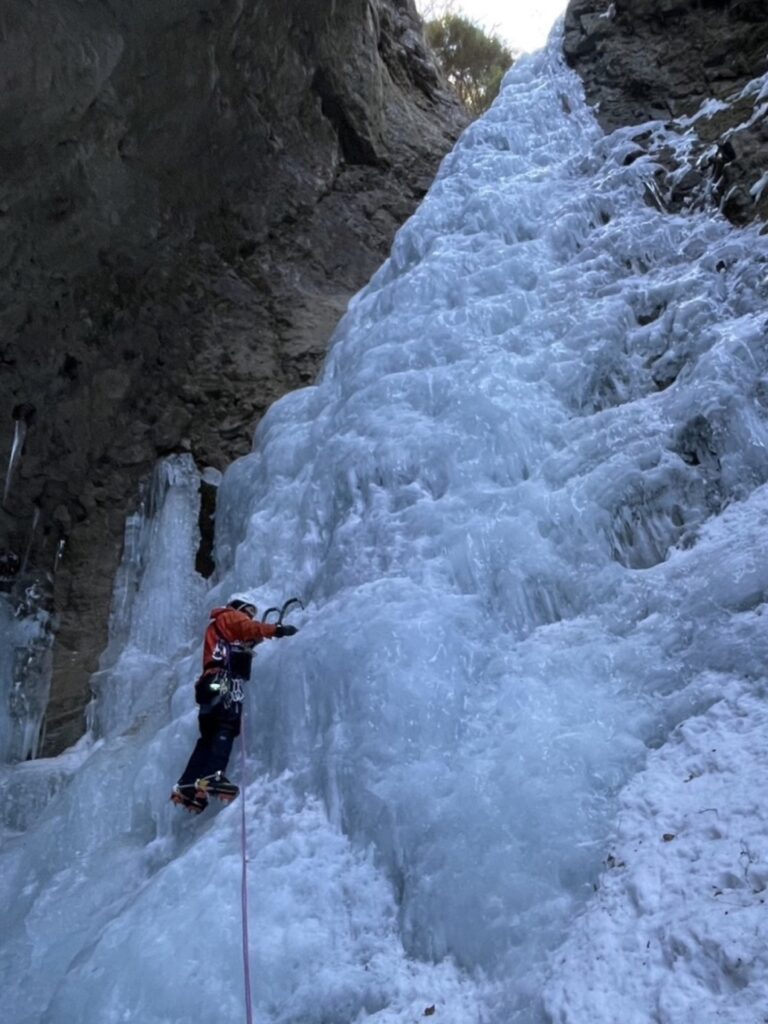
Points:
(282, 612)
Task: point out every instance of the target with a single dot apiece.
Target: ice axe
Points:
(282, 612)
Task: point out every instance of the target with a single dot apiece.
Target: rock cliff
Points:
(694, 66)
(191, 192)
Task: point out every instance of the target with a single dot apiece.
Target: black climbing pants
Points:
(219, 727)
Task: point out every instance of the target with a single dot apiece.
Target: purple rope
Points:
(244, 877)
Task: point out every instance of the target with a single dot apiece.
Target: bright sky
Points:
(524, 24)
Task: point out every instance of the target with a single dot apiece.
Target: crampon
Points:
(190, 798)
(217, 785)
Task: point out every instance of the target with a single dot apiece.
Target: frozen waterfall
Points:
(525, 507)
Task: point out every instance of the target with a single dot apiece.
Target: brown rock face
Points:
(661, 60)
(192, 191)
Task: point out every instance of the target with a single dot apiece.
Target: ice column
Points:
(156, 599)
(26, 639)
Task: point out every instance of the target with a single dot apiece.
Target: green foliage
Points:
(473, 61)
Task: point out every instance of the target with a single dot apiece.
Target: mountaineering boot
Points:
(190, 798)
(217, 785)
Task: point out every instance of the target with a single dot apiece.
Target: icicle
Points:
(24, 416)
(19, 434)
(32, 532)
(60, 548)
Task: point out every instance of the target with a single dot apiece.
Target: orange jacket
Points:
(234, 627)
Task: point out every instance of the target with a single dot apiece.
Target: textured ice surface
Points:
(525, 508)
(25, 666)
(677, 931)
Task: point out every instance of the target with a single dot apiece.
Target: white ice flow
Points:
(525, 507)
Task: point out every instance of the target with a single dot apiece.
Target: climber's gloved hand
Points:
(285, 630)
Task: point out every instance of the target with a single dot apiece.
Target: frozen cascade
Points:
(525, 507)
(156, 600)
(25, 666)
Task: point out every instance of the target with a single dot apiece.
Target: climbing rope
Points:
(243, 838)
(243, 843)
(244, 875)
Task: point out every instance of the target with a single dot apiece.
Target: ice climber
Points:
(231, 635)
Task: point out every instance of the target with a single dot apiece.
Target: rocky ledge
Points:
(697, 66)
(192, 191)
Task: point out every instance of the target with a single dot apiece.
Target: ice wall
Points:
(525, 509)
(497, 502)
